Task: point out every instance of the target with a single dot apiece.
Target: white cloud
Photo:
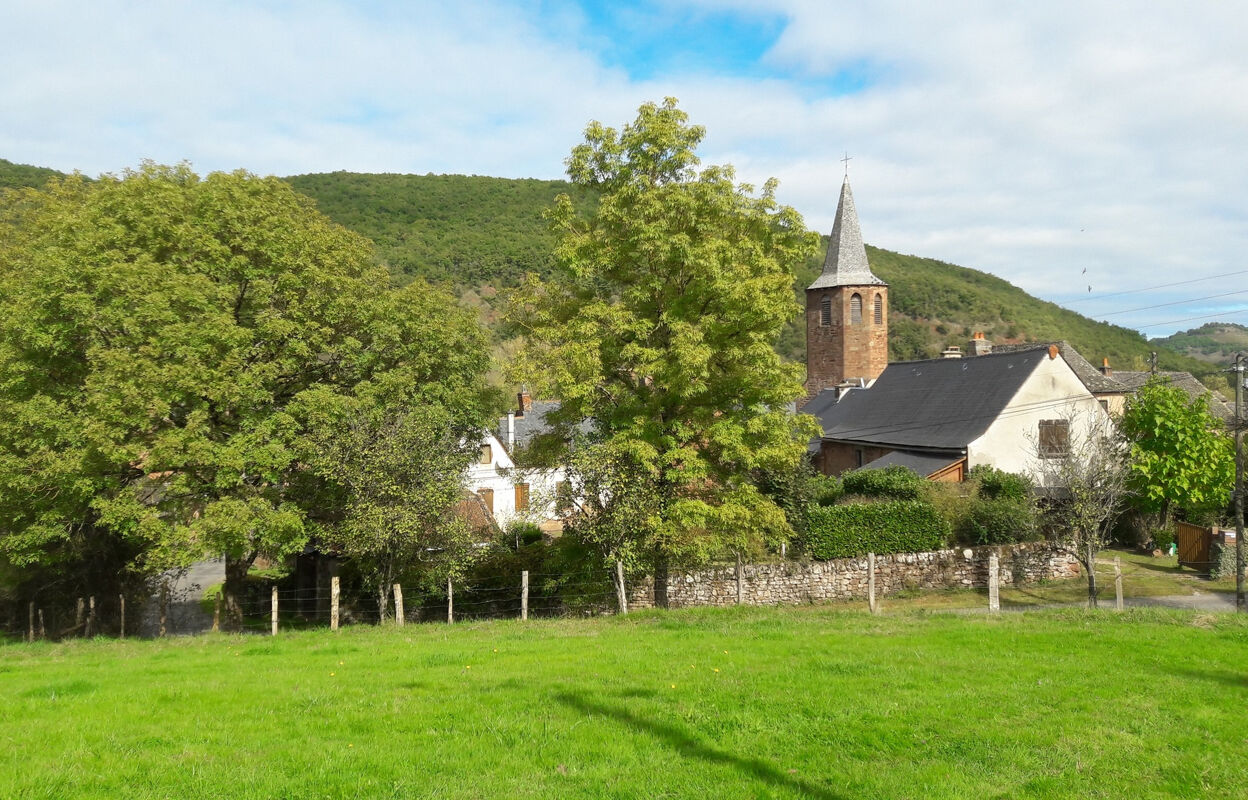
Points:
(1029, 140)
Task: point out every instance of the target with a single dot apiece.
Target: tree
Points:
(1086, 484)
(1181, 455)
(659, 325)
(401, 474)
(168, 346)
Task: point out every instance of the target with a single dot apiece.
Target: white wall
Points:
(1052, 392)
(499, 475)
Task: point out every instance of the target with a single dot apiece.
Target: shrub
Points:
(894, 482)
(1162, 539)
(999, 521)
(825, 490)
(997, 484)
(906, 526)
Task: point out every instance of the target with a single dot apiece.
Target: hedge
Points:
(894, 481)
(904, 526)
(999, 521)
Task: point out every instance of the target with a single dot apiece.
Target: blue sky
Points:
(1058, 145)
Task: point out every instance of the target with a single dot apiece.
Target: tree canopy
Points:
(659, 325)
(1181, 456)
(167, 345)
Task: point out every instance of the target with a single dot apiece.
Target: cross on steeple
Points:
(846, 161)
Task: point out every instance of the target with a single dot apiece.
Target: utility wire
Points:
(1189, 319)
(1159, 286)
(1174, 303)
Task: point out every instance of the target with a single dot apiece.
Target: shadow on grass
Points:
(1235, 680)
(689, 747)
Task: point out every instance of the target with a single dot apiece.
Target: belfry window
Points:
(855, 309)
(879, 310)
(825, 311)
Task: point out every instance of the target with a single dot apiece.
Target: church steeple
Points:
(846, 262)
(846, 310)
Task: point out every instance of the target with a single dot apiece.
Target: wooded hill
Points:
(482, 234)
(1214, 342)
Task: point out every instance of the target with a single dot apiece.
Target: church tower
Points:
(846, 310)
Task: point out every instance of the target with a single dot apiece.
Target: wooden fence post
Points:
(622, 595)
(216, 613)
(80, 618)
(740, 584)
(164, 608)
(524, 594)
(398, 605)
(994, 582)
(121, 604)
(450, 601)
(1117, 583)
(871, 583)
(333, 603)
(273, 612)
(30, 629)
(90, 617)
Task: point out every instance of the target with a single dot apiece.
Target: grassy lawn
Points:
(1142, 576)
(803, 702)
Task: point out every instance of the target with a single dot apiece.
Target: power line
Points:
(1159, 286)
(1189, 319)
(1174, 303)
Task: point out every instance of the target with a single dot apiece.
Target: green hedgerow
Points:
(904, 526)
(894, 482)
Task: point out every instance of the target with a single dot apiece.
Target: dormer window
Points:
(825, 310)
(855, 309)
(879, 309)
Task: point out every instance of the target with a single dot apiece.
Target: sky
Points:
(1092, 152)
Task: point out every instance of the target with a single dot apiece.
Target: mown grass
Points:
(718, 703)
(1142, 576)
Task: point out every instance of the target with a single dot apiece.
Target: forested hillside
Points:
(1214, 342)
(482, 234)
(19, 175)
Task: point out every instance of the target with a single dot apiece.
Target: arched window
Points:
(825, 311)
(879, 309)
(855, 309)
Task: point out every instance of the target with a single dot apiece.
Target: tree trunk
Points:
(235, 587)
(1090, 566)
(383, 603)
(1165, 515)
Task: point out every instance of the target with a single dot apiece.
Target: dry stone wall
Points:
(796, 582)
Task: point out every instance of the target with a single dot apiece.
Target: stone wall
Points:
(795, 582)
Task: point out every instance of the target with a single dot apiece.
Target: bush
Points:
(894, 482)
(1162, 539)
(998, 521)
(825, 490)
(995, 484)
(906, 526)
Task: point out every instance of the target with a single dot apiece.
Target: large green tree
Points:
(169, 344)
(659, 325)
(1181, 454)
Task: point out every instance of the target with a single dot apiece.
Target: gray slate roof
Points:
(1132, 381)
(922, 464)
(846, 262)
(1096, 381)
(530, 425)
(941, 404)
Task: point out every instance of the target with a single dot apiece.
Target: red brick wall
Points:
(843, 350)
(838, 457)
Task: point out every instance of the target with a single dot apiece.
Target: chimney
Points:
(511, 431)
(525, 403)
(1105, 369)
(979, 345)
(952, 351)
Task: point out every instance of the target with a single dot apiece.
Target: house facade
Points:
(515, 494)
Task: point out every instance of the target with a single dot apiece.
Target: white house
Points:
(511, 494)
(942, 417)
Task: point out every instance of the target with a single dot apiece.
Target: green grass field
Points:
(712, 703)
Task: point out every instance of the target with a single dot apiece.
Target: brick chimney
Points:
(979, 345)
(524, 403)
(1105, 369)
(952, 351)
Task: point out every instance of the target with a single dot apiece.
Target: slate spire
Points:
(846, 262)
